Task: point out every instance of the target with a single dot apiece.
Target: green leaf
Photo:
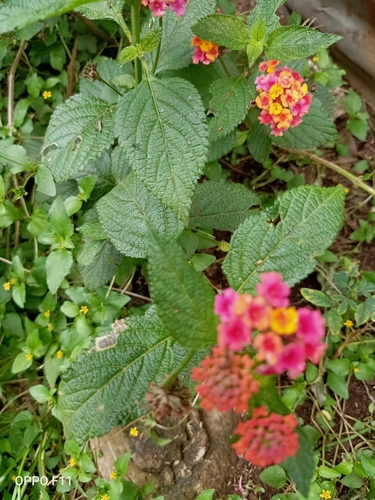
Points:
(125, 212)
(72, 448)
(253, 51)
(316, 297)
(19, 294)
(19, 13)
(119, 378)
(327, 472)
(184, 299)
(127, 54)
(122, 463)
(59, 263)
(176, 50)
(365, 311)
(369, 465)
(14, 157)
(345, 468)
(102, 268)
(365, 372)
(265, 9)
(296, 42)
(21, 363)
(229, 31)
(150, 41)
(40, 393)
(300, 468)
(339, 366)
(359, 127)
(274, 476)
(352, 102)
(162, 128)
(202, 260)
(45, 182)
(59, 220)
(316, 129)
(69, 309)
(222, 147)
(334, 321)
(352, 481)
(221, 205)
(229, 105)
(310, 219)
(258, 31)
(259, 142)
(206, 495)
(79, 131)
(338, 384)
(101, 9)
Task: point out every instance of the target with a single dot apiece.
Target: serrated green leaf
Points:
(338, 384)
(300, 468)
(176, 50)
(253, 51)
(229, 105)
(101, 9)
(310, 219)
(59, 263)
(221, 205)
(316, 129)
(125, 212)
(14, 157)
(265, 9)
(165, 138)
(127, 54)
(295, 42)
(221, 147)
(19, 13)
(365, 311)
(150, 41)
(274, 476)
(79, 131)
(228, 31)
(119, 378)
(102, 268)
(183, 297)
(259, 142)
(316, 297)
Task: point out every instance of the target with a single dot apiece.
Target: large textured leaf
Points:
(229, 31)
(176, 50)
(79, 131)
(125, 212)
(221, 205)
(103, 266)
(265, 9)
(101, 10)
(161, 126)
(184, 299)
(230, 104)
(310, 219)
(106, 388)
(294, 42)
(19, 13)
(259, 142)
(300, 468)
(316, 129)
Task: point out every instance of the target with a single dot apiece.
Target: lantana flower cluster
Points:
(204, 52)
(283, 97)
(285, 337)
(158, 7)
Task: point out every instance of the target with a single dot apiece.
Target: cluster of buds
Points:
(283, 97)
(158, 7)
(204, 52)
(285, 337)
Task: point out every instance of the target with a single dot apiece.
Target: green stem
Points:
(158, 50)
(136, 28)
(168, 381)
(110, 86)
(121, 22)
(224, 66)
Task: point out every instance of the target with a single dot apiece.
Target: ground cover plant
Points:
(146, 273)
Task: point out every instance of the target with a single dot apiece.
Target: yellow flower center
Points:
(47, 94)
(284, 320)
(6, 286)
(113, 474)
(348, 323)
(29, 356)
(47, 314)
(275, 108)
(325, 494)
(59, 354)
(84, 310)
(72, 462)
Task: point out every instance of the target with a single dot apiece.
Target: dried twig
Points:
(71, 67)
(11, 78)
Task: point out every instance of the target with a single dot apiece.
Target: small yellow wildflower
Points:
(50, 327)
(62, 247)
(113, 474)
(7, 285)
(72, 462)
(13, 281)
(134, 432)
(47, 94)
(348, 323)
(29, 356)
(84, 310)
(14, 477)
(325, 494)
(60, 354)
(316, 59)
(105, 497)
(356, 370)
(47, 314)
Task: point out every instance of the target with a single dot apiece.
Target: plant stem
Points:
(168, 381)
(11, 78)
(121, 22)
(136, 28)
(224, 66)
(158, 49)
(110, 86)
(355, 180)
